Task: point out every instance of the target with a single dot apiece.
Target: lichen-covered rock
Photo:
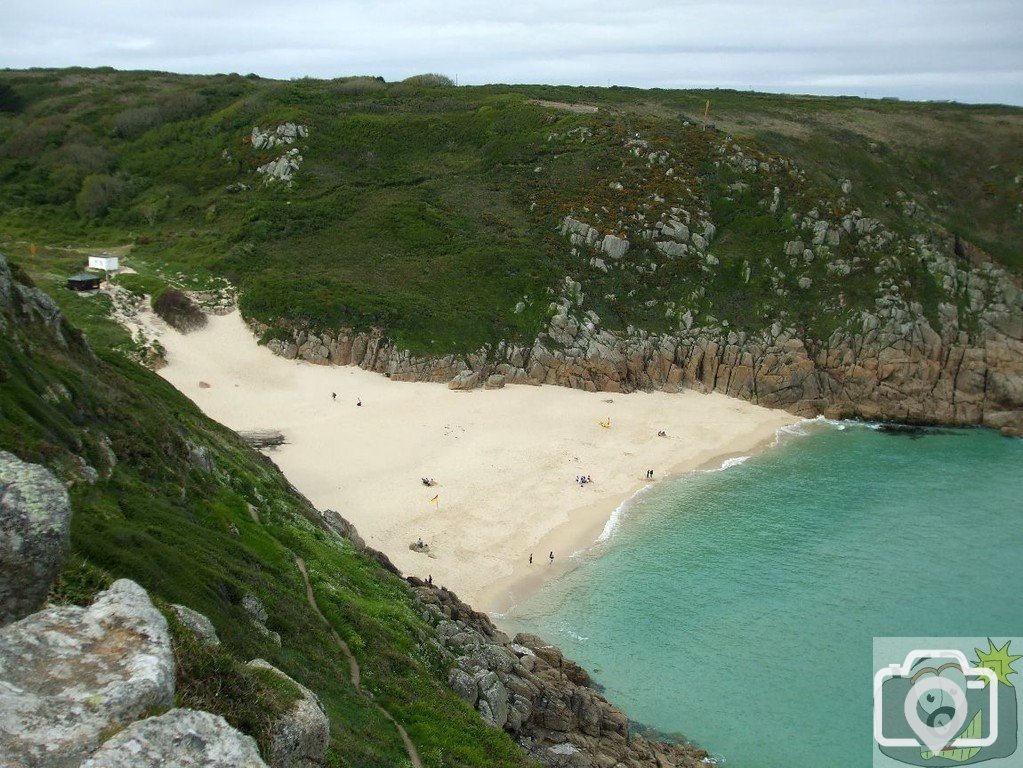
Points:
(70, 675)
(342, 528)
(300, 738)
(200, 458)
(35, 521)
(254, 607)
(183, 738)
(198, 624)
(464, 380)
(614, 246)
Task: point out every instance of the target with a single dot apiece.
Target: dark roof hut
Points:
(83, 282)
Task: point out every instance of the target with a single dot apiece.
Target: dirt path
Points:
(581, 109)
(353, 666)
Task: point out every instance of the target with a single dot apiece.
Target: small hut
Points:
(105, 261)
(83, 282)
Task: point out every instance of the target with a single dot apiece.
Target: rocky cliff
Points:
(527, 686)
(833, 311)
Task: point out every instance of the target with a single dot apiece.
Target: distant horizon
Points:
(912, 50)
(514, 84)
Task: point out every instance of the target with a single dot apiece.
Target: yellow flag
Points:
(434, 499)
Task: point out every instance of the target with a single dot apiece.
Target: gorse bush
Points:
(179, 311)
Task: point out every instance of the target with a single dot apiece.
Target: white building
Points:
(105, 262)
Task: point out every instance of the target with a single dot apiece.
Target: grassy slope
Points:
(168, 525)
(413, 210)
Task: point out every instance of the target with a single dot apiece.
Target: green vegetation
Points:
(178, 310)
(431, 211)
(143, 509)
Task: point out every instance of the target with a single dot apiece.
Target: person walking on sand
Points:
(530, 558)
(551, 556)
(333, 395)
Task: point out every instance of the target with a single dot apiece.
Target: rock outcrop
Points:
(283, 167)
(29, 306)
(528, 688)
(299, 739)
(254, 607)
(71, 676)
(896, 367)
(184, 738)
(198, 624)
(35, 522)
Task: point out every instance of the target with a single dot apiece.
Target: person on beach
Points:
(589, 479)
(530, 558)
(358, 401)
(333, 395)
(429, 579)
(551, 556)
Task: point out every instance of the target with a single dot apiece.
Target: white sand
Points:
(505, 460)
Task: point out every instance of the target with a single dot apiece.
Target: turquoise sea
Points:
(738, 607)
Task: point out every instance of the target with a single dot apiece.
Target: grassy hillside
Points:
(432, 211)
(148, 506)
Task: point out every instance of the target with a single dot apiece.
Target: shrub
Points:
(98, 193)
(428, 80)
(179, 311)
(181, 105)
(132, 123)
(10, 100)
(357, 85)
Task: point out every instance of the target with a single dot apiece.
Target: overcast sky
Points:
(966, 50)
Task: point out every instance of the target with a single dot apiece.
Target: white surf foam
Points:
(732, 462)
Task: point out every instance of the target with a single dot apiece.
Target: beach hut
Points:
(83, 282)
(104, 261)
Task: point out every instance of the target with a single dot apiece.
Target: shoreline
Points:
(580, 537)
(504, 459)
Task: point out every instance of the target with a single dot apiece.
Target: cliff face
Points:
(821, 309)
(894, 366)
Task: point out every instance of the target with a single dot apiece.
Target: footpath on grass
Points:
(353, 665)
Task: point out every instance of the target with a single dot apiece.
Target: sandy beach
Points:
(505, 461)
